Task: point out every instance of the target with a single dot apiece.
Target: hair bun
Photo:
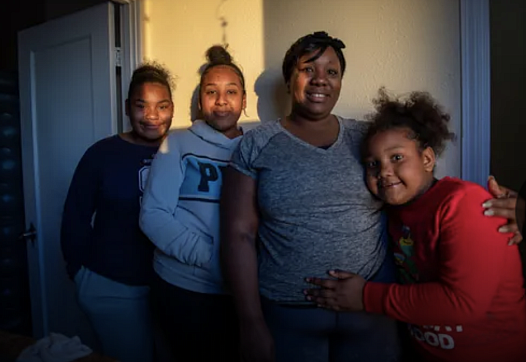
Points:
(217, 54)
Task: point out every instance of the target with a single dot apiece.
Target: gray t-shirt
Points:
(316, 213)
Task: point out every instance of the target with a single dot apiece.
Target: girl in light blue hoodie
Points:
(180, 215)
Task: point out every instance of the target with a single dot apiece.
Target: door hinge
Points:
(118, 59)
(30, 234)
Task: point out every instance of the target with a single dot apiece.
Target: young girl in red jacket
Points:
(461, 286)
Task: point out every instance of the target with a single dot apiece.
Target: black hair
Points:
(218, 55)
(318, 41)
(151, 72)
(419, 113)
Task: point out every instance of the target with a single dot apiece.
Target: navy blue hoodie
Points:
(100, 224)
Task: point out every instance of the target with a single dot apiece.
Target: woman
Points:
(296, 186)
(180, 215)
(107, 255)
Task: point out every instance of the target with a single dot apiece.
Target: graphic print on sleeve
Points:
(404, 253)
(144, 172)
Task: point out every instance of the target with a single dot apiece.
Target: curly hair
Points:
(151, 72)
(419, 113)
(318, 41)
(218, 55)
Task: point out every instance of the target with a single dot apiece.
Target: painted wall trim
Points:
(132, 46)
(476, 96)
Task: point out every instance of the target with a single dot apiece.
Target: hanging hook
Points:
(223, 22)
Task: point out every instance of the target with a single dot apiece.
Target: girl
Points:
(180, 215)
(462, 294)
(110, 259)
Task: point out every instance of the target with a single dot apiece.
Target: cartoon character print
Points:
(403, 258)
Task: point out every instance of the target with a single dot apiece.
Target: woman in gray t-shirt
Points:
(296, 187)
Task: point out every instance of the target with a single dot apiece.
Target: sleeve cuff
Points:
(244, 171)
(374, 295)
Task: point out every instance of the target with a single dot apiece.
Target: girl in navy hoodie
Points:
(107, 255)
(180, 215)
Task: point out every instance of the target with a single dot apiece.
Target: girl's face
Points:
(150, 110)
(397, 171)
(222, 100)
(315, 85)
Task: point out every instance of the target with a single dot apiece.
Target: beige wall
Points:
(402, 44)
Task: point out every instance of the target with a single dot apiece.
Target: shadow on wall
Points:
(273, 98)
(195, 113)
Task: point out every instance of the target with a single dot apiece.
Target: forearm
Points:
(174, 239)
(75, 238)
(240, 268)
(422, 304)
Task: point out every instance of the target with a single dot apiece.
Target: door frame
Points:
(475, 134)
(130, 56)
(131, 15)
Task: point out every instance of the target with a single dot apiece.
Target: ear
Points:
(244, 104)
(127, 107)
(429, 158)
(288, 87)
(173, 109)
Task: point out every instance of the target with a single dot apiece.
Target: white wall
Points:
(404, 45)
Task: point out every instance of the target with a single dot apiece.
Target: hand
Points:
(504, 205)
(345, 294)
(256, 343)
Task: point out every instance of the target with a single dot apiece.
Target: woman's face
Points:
(315, 85)
(222, 99)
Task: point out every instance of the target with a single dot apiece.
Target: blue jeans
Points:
(120, 315)
(305, 333)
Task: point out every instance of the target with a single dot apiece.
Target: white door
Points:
(67, 102)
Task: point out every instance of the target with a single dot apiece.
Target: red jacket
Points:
(463, 296)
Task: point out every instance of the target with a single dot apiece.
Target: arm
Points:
(472, 254)
(158, 210)
(239, 225)
(76, 229)
(506, 203)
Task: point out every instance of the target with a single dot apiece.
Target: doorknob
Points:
(30, 234)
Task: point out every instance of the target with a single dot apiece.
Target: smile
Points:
(151, 126)
(392, 184)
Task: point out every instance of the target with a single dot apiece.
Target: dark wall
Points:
(24, 14)
(508, 78)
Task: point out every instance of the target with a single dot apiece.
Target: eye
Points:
(397, 157)
(139, 105)
(371, 164)
(211, 92)
(332, 72)
(232, 91)
(307, 69)
(163, 107)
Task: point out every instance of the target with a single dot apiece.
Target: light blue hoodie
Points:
(180, 207)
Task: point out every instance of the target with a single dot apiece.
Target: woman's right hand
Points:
(256, 343)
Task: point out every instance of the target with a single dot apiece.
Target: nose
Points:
(319, 78)
(220, 99)
(385, 170)
(151, 113)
